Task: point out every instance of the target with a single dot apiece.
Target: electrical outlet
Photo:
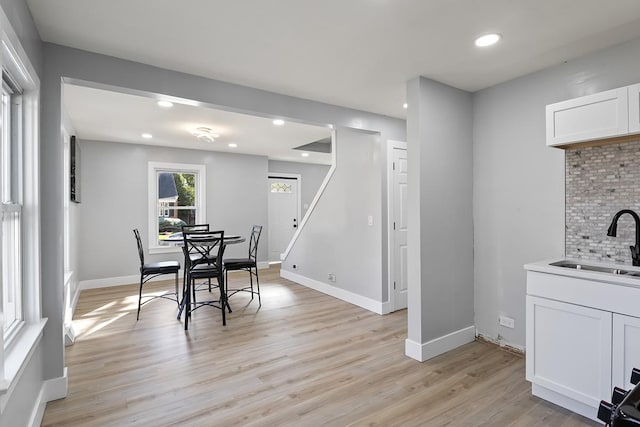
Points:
(507, 322)
(332, 277)
(295, 267)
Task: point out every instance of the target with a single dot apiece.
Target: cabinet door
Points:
(634, 108)
(626, 349)
(569, 349)
(601, 115)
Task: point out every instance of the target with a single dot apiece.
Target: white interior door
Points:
(284, 207)
(400, 228)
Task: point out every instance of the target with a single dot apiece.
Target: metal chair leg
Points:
(258, 286)
(140, 296)
(177, 293)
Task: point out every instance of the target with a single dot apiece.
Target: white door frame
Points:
(391, 145)
(298, 179)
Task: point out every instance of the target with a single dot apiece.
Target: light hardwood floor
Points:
(303, 359)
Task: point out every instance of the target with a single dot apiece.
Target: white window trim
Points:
(152, 189)
(14, 354)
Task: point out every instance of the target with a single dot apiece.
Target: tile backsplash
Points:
(600, 181)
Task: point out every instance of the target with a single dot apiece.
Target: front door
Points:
(400, 228)
(283, 214)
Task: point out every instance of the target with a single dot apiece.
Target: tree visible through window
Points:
(177, 198)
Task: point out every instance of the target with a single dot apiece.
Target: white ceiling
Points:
(355, 53)
(102, 115)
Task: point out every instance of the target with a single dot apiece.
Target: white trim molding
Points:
(134, 279)
(377, 307)
(438, 346)
(52, 389)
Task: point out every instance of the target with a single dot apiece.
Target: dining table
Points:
(177, 239)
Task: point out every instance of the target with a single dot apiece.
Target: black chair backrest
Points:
(204, 243)
(190, 228)
(195, 227)
(253, 242)
(140, 248)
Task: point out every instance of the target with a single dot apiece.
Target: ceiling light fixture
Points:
(405, 105)
(488, 40)
(305, 154)
(165, 104)
(278, 122)
(147, 136)
(205, 134)
(232, 145)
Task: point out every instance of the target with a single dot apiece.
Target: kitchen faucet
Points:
(613, 230)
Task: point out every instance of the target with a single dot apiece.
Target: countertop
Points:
(546, 267)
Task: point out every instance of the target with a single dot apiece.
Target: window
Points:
(280, 187)
(21, 322)
(11, 195)
(176, 198)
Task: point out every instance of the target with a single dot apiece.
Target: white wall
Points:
(337, 238)
(23, 402)
(76, 66)
(518, 198)
(311, 175)
(440, 239)
(115, 201)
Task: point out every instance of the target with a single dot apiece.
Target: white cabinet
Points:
(569, 351)
(583, 334)
(626, 349)
(597, 116)
(634, 108)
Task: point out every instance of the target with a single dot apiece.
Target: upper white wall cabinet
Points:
(598, 116)
(634, 108)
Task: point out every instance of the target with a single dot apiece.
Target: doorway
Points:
(397, 180)
(284, 212)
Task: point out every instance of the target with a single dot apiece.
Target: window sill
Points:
(17, 356)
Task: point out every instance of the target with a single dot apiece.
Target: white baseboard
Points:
(128, 280)
(53, 389)
(386, 308)
(438, 346)
(350, 297)
(116, 281)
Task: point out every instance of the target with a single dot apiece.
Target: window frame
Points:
(152, 188)
(11, 164)
(17, 346)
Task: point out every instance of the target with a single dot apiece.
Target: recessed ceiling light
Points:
(232, 145)
(147, 136)
(278, 122)
(488, 39)
(305, 154)
(204, 133)
(165, 104)
(405, 105)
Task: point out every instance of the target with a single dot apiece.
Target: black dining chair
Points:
(210, 246)
(150, 270)
(194, 257)
(248, 264)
